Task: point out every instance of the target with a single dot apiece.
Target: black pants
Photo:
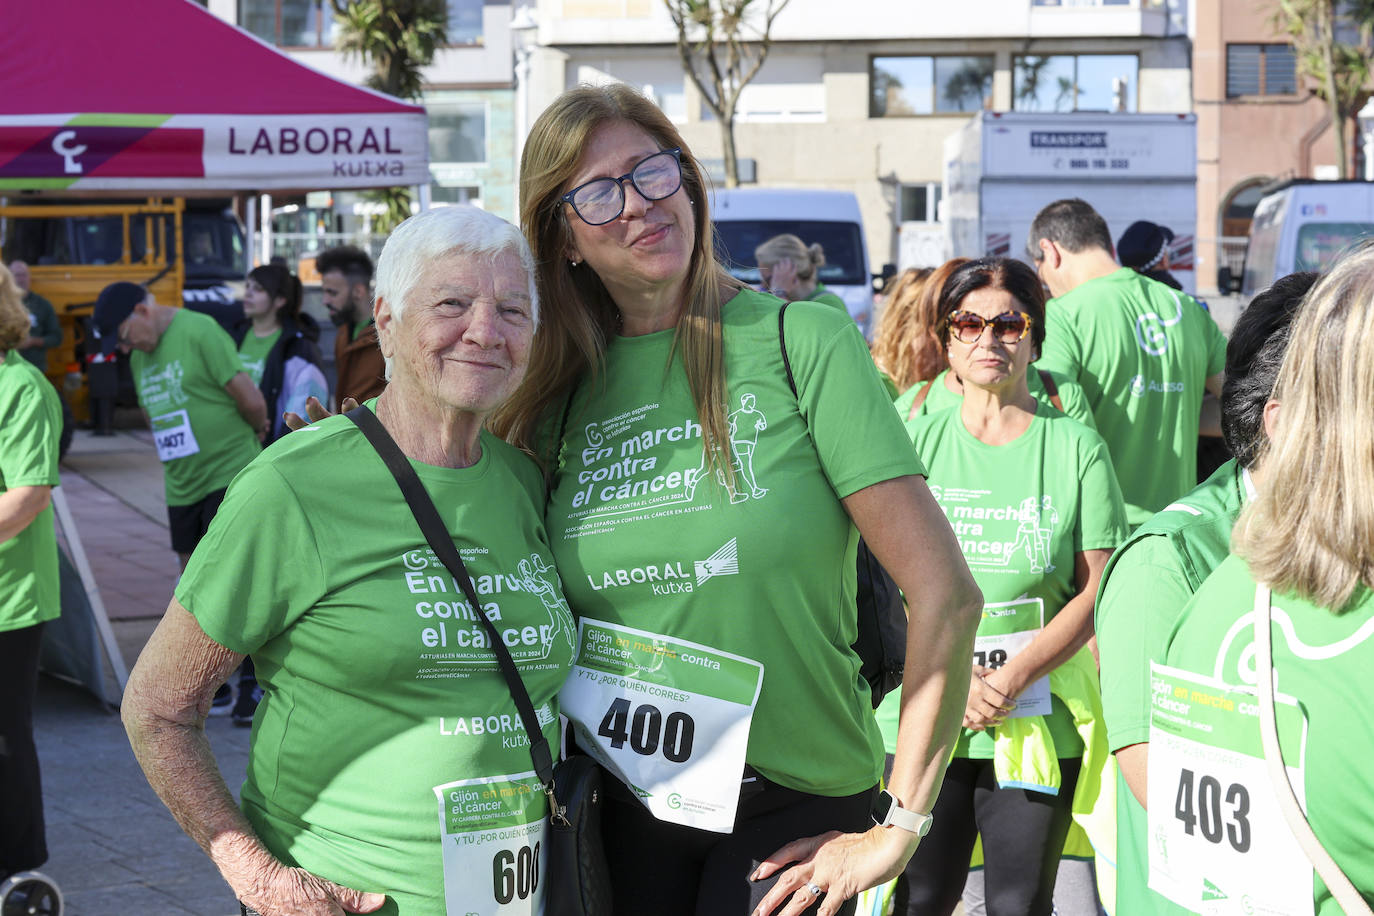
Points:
(1023, 836)
(22, 841)
(671, 870)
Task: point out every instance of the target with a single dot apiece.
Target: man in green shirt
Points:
(1153, 575)
(206, 414)
(1142, 352)
(44, 330)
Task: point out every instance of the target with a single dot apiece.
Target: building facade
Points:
(864, 100)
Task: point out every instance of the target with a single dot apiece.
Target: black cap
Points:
(1143, 244)
(116, 303)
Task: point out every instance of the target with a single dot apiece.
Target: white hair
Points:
(435, 233)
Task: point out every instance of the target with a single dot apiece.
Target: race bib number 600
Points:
(494, 845)
(1218, 842)
(669, 718)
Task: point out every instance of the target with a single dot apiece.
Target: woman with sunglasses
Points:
(1037, 511)
(702, 515)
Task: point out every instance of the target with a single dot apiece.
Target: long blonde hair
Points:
(1310, 530)
(14, 318)
(579, 316)
(807, 258)
(892, 341)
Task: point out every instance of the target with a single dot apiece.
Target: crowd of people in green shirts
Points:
(1104, 602)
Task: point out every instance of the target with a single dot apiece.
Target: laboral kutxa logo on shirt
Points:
(994, 535)
(671, 577)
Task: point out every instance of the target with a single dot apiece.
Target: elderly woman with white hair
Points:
(387, 729)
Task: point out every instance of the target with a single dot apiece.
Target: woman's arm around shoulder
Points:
(164, 709)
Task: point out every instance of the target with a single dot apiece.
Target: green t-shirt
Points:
(941, 398)
(380, 685)
(30, 425)
(1022, 512)
(1324, 660)
(1146, 585)
(1143, 353)
(823, 295)
(645, 537)
(253, 353)
(181, 386)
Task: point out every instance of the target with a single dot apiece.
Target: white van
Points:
(1305, 225)
(745, 218)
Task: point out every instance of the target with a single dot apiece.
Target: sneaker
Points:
(223, 702)
(250, 695)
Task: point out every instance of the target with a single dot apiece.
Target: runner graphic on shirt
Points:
(743, 426)
(165, 385)
(549, 590)
(1031, 536)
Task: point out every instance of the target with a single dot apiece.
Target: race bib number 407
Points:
(669, 718)
(1218, 841)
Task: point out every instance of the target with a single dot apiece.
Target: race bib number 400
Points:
(669, 718)
(173, 437)
(1218, 842)
(1006, 629)
(494, 845)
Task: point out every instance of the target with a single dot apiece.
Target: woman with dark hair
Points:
(1037, 511)
(277, 345)
(702, 513)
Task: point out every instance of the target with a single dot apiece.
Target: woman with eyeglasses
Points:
(702, 514)
(1037, 510)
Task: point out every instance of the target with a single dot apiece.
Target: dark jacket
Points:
(298, 339)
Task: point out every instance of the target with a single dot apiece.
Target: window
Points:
(465, 22)
(455, 194)
(1260, 70)
(905, 86)
(289, 23)
(1319, 244)
(457, 132)
(1074, 82)
(843, 244)
(918, 203)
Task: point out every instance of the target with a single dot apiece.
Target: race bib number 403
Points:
(669, 718)
(1218, 842)
(494, 845)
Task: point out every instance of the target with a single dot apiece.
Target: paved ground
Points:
(114, 848)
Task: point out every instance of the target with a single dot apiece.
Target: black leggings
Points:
(22, 841)
(1023, 835)
(670, 870)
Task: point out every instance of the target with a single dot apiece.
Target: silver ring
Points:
(815, 890)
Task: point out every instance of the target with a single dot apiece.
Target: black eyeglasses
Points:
(1008, 327)
(603, 199)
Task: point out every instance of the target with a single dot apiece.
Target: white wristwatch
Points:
(887, 812)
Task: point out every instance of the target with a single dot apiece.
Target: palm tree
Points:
(397, 38)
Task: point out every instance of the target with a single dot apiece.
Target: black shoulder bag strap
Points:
(422, 507)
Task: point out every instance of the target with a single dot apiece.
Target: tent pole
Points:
(250, 220)
(266, 217)
(422, 194)
(83, 568)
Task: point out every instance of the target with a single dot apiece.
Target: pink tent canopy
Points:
(162, 95)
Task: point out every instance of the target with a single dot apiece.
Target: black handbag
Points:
(577, 877)
(880, 639)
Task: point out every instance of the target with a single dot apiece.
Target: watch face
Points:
(882, 807)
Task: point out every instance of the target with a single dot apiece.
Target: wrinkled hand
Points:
(785, 276)
(316, 411)
(841, 864)
(296, 892)
(987, 704)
